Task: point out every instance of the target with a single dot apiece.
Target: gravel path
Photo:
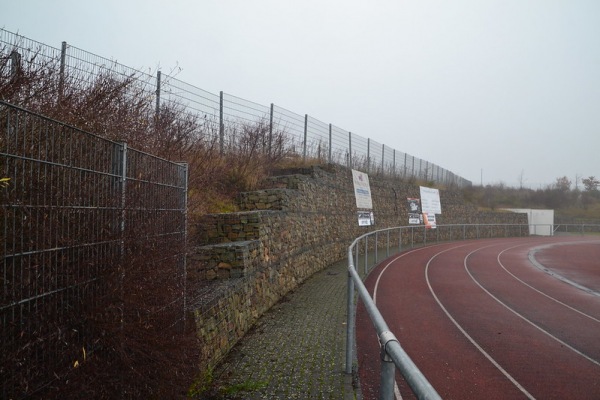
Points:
(297, 349)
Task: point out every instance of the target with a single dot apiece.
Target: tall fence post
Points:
(383, 158)
(330, 144)
(350, 150)
(368, 155)
(271, 130)
(305, 137)
(221, 125)
(61, 76)
(15, 65)
(158, 80)
(122, 227)
(183, 176)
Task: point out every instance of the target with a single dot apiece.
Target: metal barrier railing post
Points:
(388, 374)
(387, 247)
(366, 255)
(399, 240)
(376, 247)
(351, 316)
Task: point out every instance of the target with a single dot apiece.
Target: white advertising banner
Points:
(430, 200)
(362, 190)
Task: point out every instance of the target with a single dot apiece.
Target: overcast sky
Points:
(494, 91)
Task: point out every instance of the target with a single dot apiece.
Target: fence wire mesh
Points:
(228, 115)
(77, 211)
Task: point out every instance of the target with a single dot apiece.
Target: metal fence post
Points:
(221, 125)
(123, 205)
(350, 150)
(330, 144)
(15, 65)
(158, 80)
(61, 76)
(368, 155)
(271, 129)
(183, 173)
(305, 136)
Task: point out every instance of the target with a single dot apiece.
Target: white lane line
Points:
(537, 290)
(469, 338)
(522, 316)
(396, 388)
(397, 391)
(393, 261)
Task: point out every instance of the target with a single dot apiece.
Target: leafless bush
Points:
(132, 348)
(253, 151)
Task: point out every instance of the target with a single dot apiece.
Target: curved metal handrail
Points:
(391, 351)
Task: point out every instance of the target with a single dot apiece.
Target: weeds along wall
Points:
(300, 222)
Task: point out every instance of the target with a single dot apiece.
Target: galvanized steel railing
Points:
(391, 241)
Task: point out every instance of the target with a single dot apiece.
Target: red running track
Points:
(512, 318)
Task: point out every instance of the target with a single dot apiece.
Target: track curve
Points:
(491, 319)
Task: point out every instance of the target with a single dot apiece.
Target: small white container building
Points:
(541, 222)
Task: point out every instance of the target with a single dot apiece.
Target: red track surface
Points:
(491, 319)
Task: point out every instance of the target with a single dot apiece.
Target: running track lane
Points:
(484, 322)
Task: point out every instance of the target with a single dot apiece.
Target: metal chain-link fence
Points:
(227, 115)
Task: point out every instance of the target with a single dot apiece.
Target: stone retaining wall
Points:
(299, 223)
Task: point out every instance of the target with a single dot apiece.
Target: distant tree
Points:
(591, 184)
(563, 184)
(591, 193)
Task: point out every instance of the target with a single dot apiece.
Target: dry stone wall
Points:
(300, 222)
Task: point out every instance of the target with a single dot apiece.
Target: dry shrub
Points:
(253, 152)
(132, 349)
